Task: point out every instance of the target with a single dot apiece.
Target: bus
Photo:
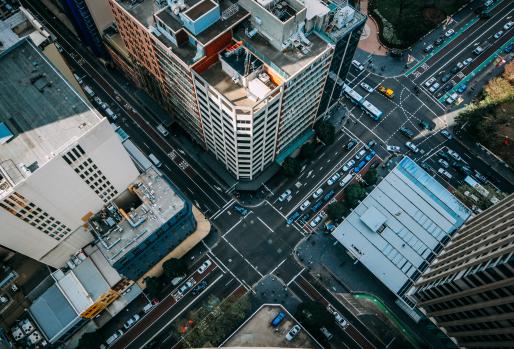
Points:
(371, 110)
(354, 96)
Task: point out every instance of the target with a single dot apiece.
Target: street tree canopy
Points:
(308, 150)
(153, 286)
(337, 210)
(90, 340)
(353, 194)
(291, 167)
(326, 132)
(174, 267)
(371, 177)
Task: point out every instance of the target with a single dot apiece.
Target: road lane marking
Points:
(259, 218)
(294, 278)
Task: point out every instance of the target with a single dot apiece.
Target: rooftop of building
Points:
(257, 332)
(401, 225)
(142, 10)
(40, 113)
(135, 214)
(346, 19)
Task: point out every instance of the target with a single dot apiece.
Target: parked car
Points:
(457, 67)
(393, 148)
(326, 333)
(444, 173)
(412, 147)
(199, 288)
(348, 165)
(449, 33)
(351, 144)
(130, 322)
(407, 132)
(454, 154)
(446, 77)
(316, 221)
(186, 286)
(114, 337)
(241, 210)
(480, 177)
(427, 125)
(357, 65)
(434, 87)
(428, 48)
(366, 87)
(447, 134)
(284, 195)
(467, 61)
(478, 50)
(508, 48)
(452, 98)
(508, 25)
(360, 154)
(304, 206)
(293, 332)
(444, 163)
(371, 143)
(462, 88)
(498, 34)
(317, 193)
(370, 156)
(202, 268)
(429, 82)
(439, 41)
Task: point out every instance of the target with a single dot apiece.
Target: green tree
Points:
(326, 132)
(174, 267)
(90, 340)
(308, 150)
(353, 194)
(291, 167)
(314, 315)
(371, 177)
(153, 286)
(337, 210)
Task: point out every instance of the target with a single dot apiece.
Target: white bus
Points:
(371, 110)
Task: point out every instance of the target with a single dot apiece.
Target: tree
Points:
(353, 194)
(174, 267)
(153, 286)
(90, 340)
(326, 132)
(291, 167)
(337, 210)
(314, 315)
(308, 150)
(370, 177)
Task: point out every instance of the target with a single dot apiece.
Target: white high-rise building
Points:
(60, 161)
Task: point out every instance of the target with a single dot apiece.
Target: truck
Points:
(111, 114)
(162, 130)
(137, 155)
(154, 160)
(388, 92)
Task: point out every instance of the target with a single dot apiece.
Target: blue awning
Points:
(5, 133)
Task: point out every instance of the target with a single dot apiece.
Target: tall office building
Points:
(468, 290)
(60, 161)
(246, 78)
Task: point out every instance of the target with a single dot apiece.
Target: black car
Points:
(446, 77)
(427, 125)
(351, 144)
(439, 41)
(448, 86)
(199, 288)
(407, 132)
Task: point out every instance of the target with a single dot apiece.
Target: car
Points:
(204, 266)
(326, 333)
(449, 33)
(393, 148)
(199, 288)
(498, 34)
(104, 106)
(186, 286)
(304, 218)
(439, 41)
(304, 206)
(348, 165)
(462, 88)
(359, 167)
(427, 125)
(366, 87)
(445, 173)
(346, 179)
(293, 332)
(488, 3)
(428, 48)
(293, 217)
(98, 100)
(412, 147)
(485, 15)
(429, 82)
(317, 193)
(316, 221)
(284, 195)
(357, 65)
(351, 144)
(457, 67)
(480, 177)
(443, 163)
(130, 322)
(452, 98)
(508, 48)
(371, 143)
(448, 86)
(241, 210)
(478, 50)
(447, 134)
(370, 156)
(114, 337)
(333, 179)
(508, 25)
(277, 320)
(360, 154)
(341, 321)
(407, 132)
(434, 87)
(446, 77)
(328, 196)
(454, 154)
(467, 61)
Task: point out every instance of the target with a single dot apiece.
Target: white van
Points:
(147, 308)
(346, 179)
(114, 337)
(162, 130)
(78, 78)
(154, 160)
(111, 114)
(89, 91)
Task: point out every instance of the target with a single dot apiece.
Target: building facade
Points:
(245, 79)
(59, 160)
(468, 290)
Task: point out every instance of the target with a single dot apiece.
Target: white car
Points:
(447, 134)
(434, 87)
(316, 220)
(360, 154)
(348, 165)
(366, 87)
(508, 25)
(204, 266)
(454, 154)
(341, 321)
(412, 147)
(444, 163)
(304, 206)
(317, 193)
(186, 286)
(445, 173)
(498, 34)
(452, 98)
(467, 61)
(357, 65)
(130, 322)
(333, 179)
(293, 332)
(429, 82)
(393, 148)
(449, 33)
(284, 195)
(113, 337)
